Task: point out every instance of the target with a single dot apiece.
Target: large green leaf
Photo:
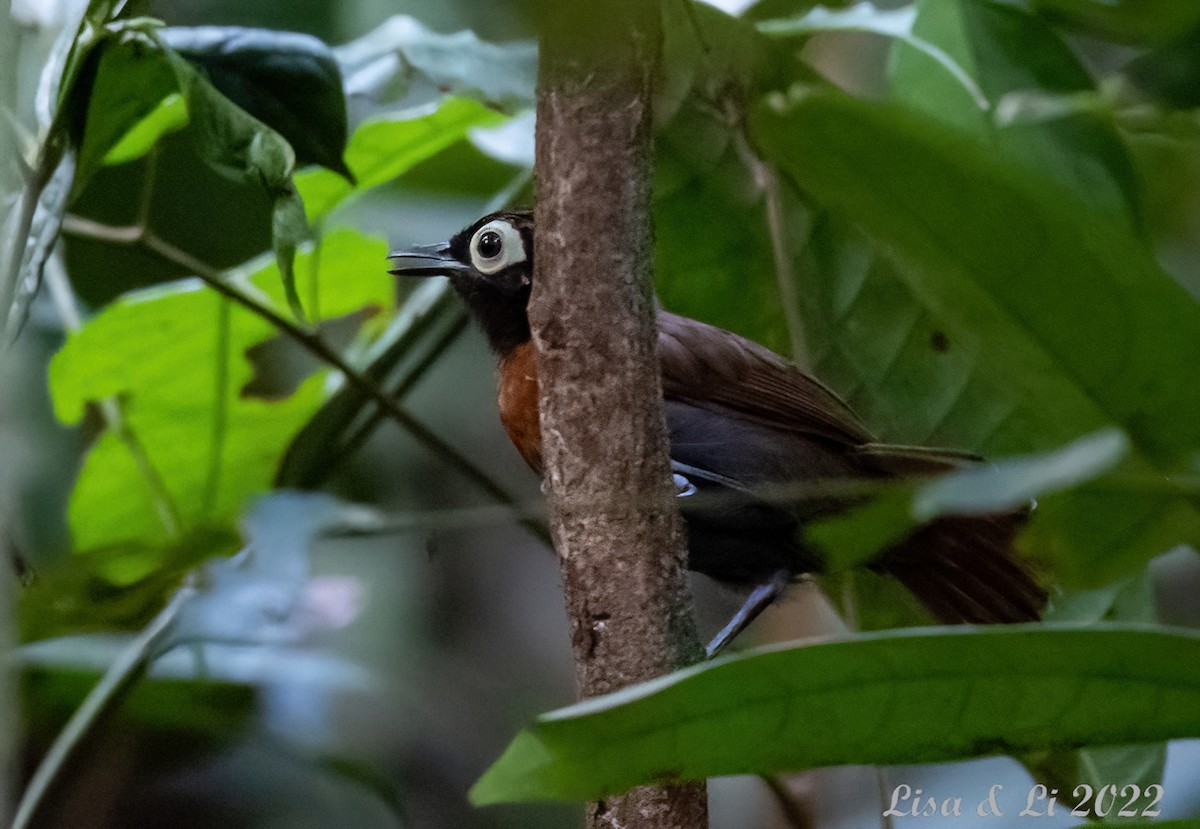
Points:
(193, 447)
(713, 246)
(1021, 67)
(287, 80)
(1011, 318)
(145, 89)
(911, 697)
(1145, 21)
(1170, 73)
(133, 80)
(383, 148)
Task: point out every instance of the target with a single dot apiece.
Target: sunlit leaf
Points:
(193, 448)
(384, 148)
(168, 116)
(133, 81)
(911, 697)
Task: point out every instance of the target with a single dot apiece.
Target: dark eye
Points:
(496, 246)
(489, 245)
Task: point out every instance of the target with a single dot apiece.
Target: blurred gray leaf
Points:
(1014, 481)
(403, 62)
(511, 142)
(262, 595)
(43, 233)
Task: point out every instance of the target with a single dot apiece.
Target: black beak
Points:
(425, 260)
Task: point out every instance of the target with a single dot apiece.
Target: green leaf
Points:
(170, 115)
(1039, 106)
(1131, 21)
(1004, 485)
(705, 265)
(910, 697)
(192, 448)
(287, 80)
(1013, 482)
(384, 148)
(288, 229)
(892, 23)
(228, 138)
(856, 537)
(71, 61)
(134, 81)
(1140, 765)
(1170, 73)
(1033, 319)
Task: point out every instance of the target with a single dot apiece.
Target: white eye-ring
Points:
(495, 246)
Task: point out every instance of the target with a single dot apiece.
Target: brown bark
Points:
(613, 515)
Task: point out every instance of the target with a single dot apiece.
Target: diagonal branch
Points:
(308, 339)
(768, 184)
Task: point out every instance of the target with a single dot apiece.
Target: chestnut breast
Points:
(518, 398)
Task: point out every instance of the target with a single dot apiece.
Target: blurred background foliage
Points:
(978, 220)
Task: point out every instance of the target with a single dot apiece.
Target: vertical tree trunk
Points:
(613, 515)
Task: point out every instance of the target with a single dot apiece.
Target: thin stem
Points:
(360, 434)
(220, 419)
(110, 409)
(308, 339)
(128, 665)
(164, 505)
(884, 798)
(15, 250)
(314, 273)
(794, 812)
(313, 343)
(767, 182)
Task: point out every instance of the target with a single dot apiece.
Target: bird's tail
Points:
(963, 569)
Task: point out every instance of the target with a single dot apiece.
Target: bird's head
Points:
(490, 265)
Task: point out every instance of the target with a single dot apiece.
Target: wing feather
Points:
(716, 369)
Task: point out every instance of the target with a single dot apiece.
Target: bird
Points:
(747, 426)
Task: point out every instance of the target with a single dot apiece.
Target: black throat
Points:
(501, 315)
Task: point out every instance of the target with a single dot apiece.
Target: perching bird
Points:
(745, 425)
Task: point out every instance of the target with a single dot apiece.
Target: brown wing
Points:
(713, 368)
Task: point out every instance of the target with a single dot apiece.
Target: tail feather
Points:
(964, 569)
